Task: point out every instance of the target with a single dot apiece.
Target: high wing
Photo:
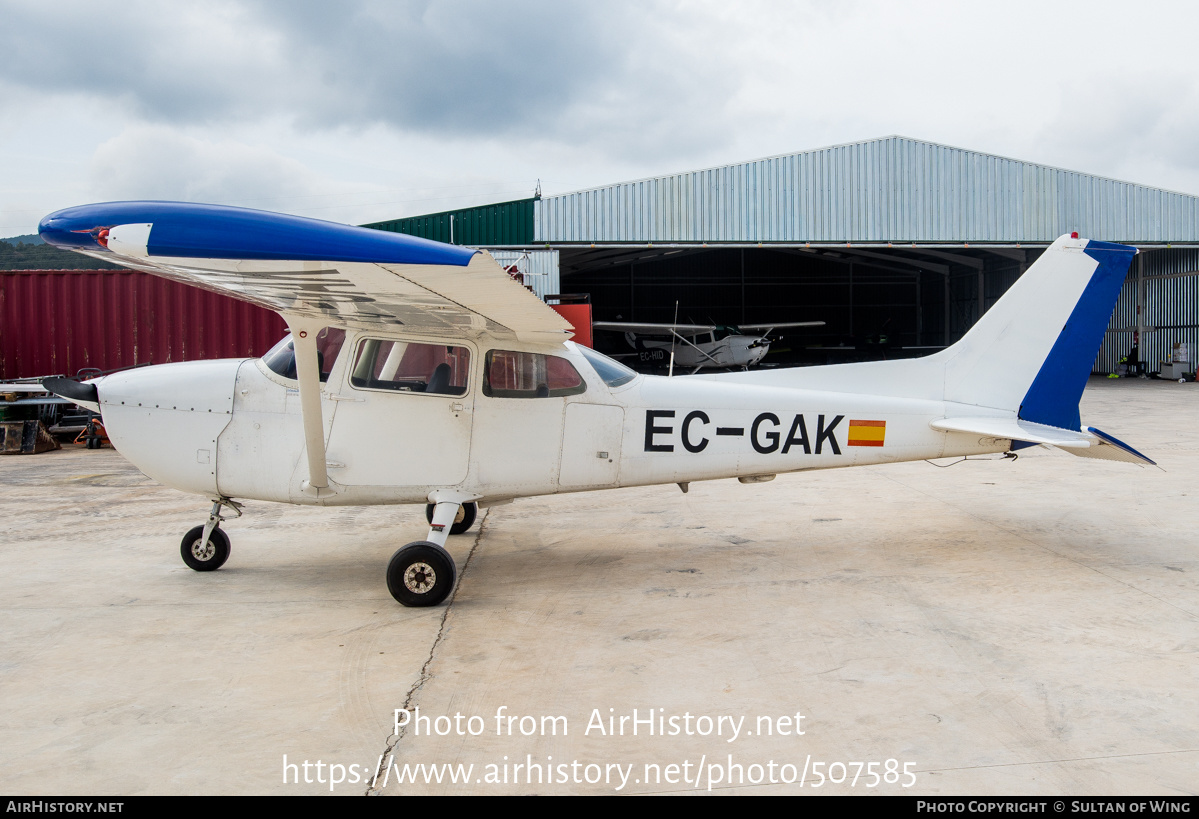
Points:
(669, 329)
(652, 329)
(312, 273)
(311, 269)
(769, 327)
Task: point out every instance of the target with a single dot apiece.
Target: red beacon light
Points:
(1074, 234)
(102, 238)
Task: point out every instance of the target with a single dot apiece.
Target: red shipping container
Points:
(61, 321)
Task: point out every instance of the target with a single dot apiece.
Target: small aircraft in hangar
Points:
(697, 346)
(418, 372)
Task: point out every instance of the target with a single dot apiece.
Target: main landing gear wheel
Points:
(209, 558)
(420, 574)
(465, 518)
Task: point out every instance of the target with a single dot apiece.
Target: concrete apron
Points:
(995, 627)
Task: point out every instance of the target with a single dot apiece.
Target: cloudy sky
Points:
(362, 110)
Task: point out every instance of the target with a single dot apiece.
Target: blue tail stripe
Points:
(1055, 392)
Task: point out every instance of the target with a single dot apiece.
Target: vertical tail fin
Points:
(1029, 355)
(1033, 351)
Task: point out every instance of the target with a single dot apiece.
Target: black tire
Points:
(420, 574)
(212, 558)
(465, 519)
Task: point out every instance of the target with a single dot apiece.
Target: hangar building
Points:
(899, 245)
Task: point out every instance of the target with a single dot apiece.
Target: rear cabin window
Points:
(529, 375)
(409, 366)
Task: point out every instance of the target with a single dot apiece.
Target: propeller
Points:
(71, 389)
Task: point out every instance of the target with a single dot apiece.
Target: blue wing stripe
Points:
(195, 231)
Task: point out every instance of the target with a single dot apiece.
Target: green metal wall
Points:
(504, 223)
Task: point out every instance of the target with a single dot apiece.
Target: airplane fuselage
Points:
(233, 429)
(730, 351)
(422, 373)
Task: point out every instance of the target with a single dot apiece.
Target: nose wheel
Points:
(204, 555)
(206, 548)
(420, 574)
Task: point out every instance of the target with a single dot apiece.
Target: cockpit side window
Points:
(511, 374)
(281, 359)
(409, 366)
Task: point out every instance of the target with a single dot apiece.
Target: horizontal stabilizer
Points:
(1016, 430)
(1112, 449)
(1091, 443)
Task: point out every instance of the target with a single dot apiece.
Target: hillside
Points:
(44, 257)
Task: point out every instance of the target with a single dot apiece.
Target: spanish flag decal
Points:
(867, 433)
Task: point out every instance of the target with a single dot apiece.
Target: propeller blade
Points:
(72, 390)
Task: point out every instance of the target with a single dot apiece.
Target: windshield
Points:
(281, 359)
(612, 372)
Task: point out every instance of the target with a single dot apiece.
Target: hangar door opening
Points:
(876, 303)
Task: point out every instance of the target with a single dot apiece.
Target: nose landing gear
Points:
(204, 555)
(206, 548)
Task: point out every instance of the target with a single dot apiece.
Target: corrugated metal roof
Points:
(501, 224)
(893, 189)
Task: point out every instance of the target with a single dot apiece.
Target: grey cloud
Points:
(443, 67)
(155, 162)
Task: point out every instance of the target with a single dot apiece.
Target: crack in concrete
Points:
(385, 759)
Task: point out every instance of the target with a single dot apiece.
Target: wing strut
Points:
(303, 333)
(704, 353)
(690, 344)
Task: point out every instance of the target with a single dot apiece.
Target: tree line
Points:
(46, 257)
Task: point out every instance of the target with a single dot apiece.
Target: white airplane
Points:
(418, 372)
(700, 345)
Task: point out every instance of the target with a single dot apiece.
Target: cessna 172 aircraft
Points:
(700, 345)
(418, 372)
